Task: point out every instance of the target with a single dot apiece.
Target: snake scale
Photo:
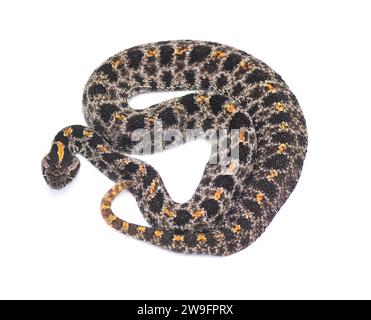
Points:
(236, 198)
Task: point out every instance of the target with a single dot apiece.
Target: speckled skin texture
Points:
(235, 200)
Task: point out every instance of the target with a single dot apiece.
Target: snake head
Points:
(59, 167)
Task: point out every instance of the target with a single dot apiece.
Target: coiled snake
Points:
(238, 196)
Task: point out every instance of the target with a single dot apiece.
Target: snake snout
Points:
(57, 176)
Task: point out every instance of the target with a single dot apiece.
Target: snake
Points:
(235, 101)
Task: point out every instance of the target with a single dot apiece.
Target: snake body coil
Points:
(237, 197)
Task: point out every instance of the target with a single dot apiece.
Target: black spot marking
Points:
(135, 58)
(211, 206)
(267, 187)
(222, 81)
(95, 140)
(228, 235)
(167, 238)
(166, 78)
(156, 203)
(190, 239)
(168, 118)
(244, 223)
(166, 54)
(239, 120)
(207, 124)
(256, 93)
(232, 61)
(274, 97)
(244, 152)
(108, 71)
(199, 53)
(96, 89)
(190, 77)
(278, 161)
(111, 157)
(237, 89)
(107, 110)
(97, 126)
(216, 103)
(252, 206)
(189, 103)
(256, 76)
(283, 137)
(126, 143)
(205, 83)
(211, 67)
(135, 122)
(182, 217)
(224, 181)
(151, 174)
(78, 131)
(132, 167)
(279, 117)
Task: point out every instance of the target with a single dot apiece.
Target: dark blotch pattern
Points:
(283, 137)
(96, 89)
(132, 167)
(222, 81)
(166, 78)
(107, 110)
(253, 206)
(108, 71)
(278, 161)
(205, 83)
(280, 117)
(135, 122)
(167, 117)
(151, 174)
(211, 206)
(216, 103)
(211, 67)
(166, 54)
(156, 202)
(267, 187)
(232, 61)
(182, 217)
(135, 58)
(224, 181)
(199, 53)
(257, 75)
(189, 103)
(275, 97)
(190, 77)
(239, 120)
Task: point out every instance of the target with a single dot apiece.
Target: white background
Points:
(54, 244)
